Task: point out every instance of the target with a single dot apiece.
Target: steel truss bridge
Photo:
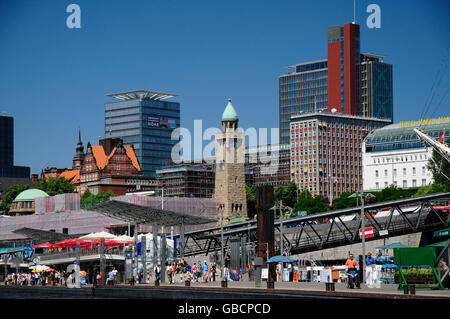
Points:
(331, 229)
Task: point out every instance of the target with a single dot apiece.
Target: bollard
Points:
(405, 289)
(156, 282)
(329, 286)
(187, 283)
(224, 283)
(270, 284)
(412, 289)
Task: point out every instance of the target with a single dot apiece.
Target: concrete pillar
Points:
(155, 245)
(162, 255)
(182, 230)
(144, 257)
(101, 252)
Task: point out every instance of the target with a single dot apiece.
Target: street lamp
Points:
(274, 208)
(221, 241)
(363, 235)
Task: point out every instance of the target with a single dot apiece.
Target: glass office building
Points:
(7, 168)
(377, 98)
(303, 90)
(347, 81)
(144, 120)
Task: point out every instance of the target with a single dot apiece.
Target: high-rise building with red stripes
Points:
(344, 68)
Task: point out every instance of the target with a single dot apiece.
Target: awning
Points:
(44, 245)
(42, 235)
(277, 259)
(441, 244)
(138, 214)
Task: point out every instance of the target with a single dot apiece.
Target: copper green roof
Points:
(229, 113)
(30, 194)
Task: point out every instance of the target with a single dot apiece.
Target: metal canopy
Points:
(42, 235)
(138, 214)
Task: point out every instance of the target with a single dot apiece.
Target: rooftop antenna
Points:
(354, 11)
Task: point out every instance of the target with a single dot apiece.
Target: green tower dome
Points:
(230, 113)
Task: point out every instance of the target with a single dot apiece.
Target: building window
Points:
(424, 182)
(404, 171)
(405, 184)
(377, 185)
(414, 183)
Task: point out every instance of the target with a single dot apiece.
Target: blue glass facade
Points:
(382, 91)
(147, 125)
(6, 140)
(304, 90)
(7, 168)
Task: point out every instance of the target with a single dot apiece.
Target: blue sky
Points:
(54, 79)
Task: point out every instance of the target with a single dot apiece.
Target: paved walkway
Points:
(385, 289)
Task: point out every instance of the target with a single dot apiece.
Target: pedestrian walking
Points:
(213, 271)
(205, 271)
(279, 272)
(157, 271)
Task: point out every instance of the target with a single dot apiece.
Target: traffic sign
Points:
(368, 232)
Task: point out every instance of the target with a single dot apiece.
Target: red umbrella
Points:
(44, 245)
(72, 243)
(49, 270)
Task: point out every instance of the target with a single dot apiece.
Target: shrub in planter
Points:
(416, 275)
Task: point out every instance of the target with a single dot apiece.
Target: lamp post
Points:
(281, 232)
(363, 235)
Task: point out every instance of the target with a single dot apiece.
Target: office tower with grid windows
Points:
(145, 120)
(347, 81)
(303, 90)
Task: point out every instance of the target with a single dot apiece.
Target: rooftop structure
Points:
(141, 95)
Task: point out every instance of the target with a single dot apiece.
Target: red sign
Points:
(368, 232)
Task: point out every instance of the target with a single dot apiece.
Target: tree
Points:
(290, 195)
(440, 168)
(11, 194)
(311, 204)
(55, 186)
(344, 201)
(278, 194)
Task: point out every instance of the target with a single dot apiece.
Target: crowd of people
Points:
(198, 272)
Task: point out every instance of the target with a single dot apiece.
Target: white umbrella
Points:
(38, 267)
(99, 235)
(124, 238)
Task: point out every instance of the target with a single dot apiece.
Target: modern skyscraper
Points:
(376, 87)
(348, 81)
(343, 68)
(326, 151)
(303, 90)
(144, 120)
(7, 168)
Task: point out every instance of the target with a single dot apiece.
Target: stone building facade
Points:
(230, 174)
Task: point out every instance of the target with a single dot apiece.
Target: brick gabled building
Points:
(105, 167)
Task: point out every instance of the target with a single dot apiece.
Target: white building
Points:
(394, 155)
